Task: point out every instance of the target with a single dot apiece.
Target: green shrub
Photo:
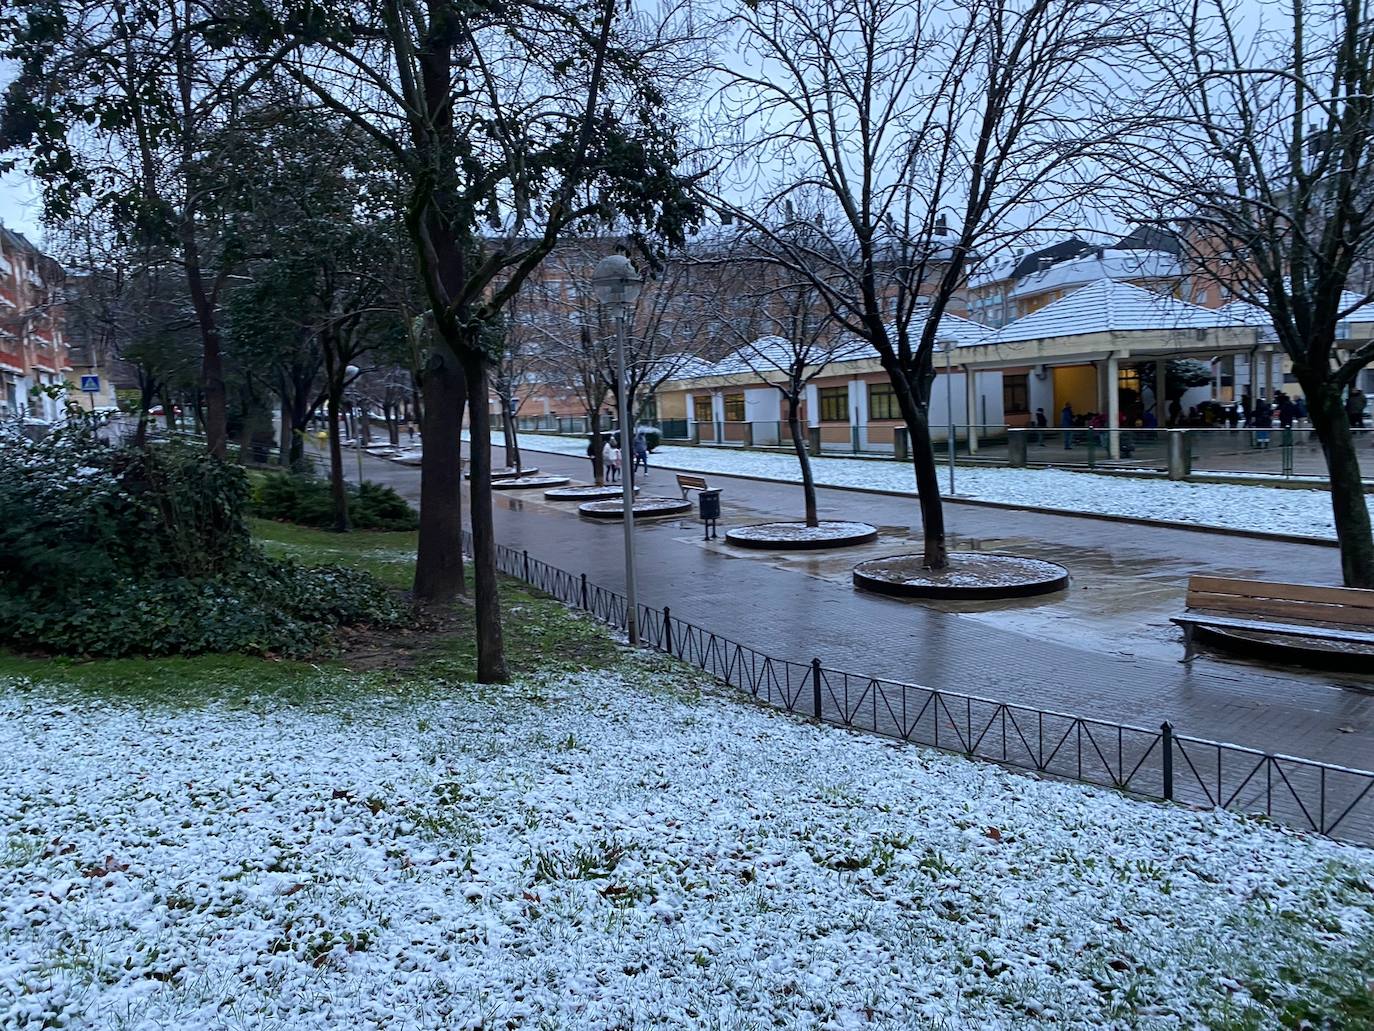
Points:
(307, 501)
(120, 551)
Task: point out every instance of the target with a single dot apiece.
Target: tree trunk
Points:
(803, 457)
(337, 487)
(439, 558)
(598, 466)
(1348, 504)
(147, 391)
(491, 652)
(287, 436)
(168, 412)
(914, 404)
(508, 433)
(212, 360)
(393, 425)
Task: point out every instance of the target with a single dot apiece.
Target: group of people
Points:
(612, 460)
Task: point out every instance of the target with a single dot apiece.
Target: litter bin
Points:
(710, 511)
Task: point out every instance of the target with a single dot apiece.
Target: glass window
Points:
(834, 404)
(1015, 394)
(882, 402)
(734, 407)
(701, 409)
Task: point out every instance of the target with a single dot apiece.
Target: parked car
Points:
(157, 411)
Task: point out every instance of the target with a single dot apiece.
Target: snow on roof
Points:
(1107, 306)
(1099, 264)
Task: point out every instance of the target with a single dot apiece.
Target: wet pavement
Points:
(1103, 649)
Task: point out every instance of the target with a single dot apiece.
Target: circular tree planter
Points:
(527, 482)
(507, 474)
(644, 508)
(800, 537)
(588, 493)
(970, 575)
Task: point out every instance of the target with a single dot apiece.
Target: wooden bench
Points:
(686, 482)
(1299, 611)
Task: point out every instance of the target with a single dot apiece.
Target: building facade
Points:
(35, 360)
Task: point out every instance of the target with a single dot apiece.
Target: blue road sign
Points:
(90, 384)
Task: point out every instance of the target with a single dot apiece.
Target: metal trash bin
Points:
(709, 504)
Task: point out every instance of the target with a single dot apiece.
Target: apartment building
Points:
(33, 347)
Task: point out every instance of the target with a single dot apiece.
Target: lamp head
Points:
(615, 280)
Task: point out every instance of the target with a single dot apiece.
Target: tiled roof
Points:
(1108, 306)
(1099, 264)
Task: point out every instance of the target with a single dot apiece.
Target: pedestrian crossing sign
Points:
(90, 384)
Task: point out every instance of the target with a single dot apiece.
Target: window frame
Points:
(826, 397)
(885, 393)
(1008, 379)
(698, 403)
(733, 404)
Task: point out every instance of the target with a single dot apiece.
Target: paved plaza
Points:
(1103, 649)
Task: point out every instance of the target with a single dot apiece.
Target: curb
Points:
(1165, 524)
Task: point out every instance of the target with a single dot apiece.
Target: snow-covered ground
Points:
(1234, 506)
(618, 850)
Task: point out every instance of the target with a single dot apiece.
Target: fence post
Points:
(527, 567)
(584, 593)
(816, 686)
(667, 630)
(1166, 739)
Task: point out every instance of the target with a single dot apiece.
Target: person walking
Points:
(1262, 418)
(641, 455)
(1354, 408)
(1066, 420)
(1287, 410)
(1041, 424)
(610, 460)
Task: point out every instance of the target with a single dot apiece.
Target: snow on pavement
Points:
(1232, 506)
(616, 850)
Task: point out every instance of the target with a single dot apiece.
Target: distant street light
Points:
(617, 284)
(352, 374)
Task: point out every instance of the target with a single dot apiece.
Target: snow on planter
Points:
(970, 574)
(800, 537)
(527, 482)
(591, 492)
(645, 507)
(507, 473)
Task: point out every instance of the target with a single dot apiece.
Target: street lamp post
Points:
(352, 373)
(617, 286)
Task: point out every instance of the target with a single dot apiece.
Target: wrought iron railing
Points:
(1161, 764)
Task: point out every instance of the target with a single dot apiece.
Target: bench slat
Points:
(1282, 609)
(1352, 597)
(1286, 629)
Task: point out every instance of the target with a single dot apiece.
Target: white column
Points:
(813, 405)
(1269, 375)
(971, 407)
(858, 408)
(691, 413)
(1113, 407)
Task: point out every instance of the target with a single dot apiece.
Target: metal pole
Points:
(949, 412)
(358, 441)
(626, 482)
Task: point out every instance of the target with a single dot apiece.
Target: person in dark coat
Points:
(1066, 420)
(641, 454)
(1262, 418)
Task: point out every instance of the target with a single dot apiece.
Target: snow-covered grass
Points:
(618, 849)
(1232, 506)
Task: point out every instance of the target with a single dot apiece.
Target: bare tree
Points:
(787, 339)
(1256, 143)
(918, 138)
(508, 125)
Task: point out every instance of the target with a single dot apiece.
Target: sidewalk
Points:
(1103, 649)
(1244, 507)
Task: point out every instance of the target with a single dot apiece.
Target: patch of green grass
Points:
(387, 555)
(541, 635)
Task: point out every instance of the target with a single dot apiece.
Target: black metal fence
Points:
(1161, 764)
